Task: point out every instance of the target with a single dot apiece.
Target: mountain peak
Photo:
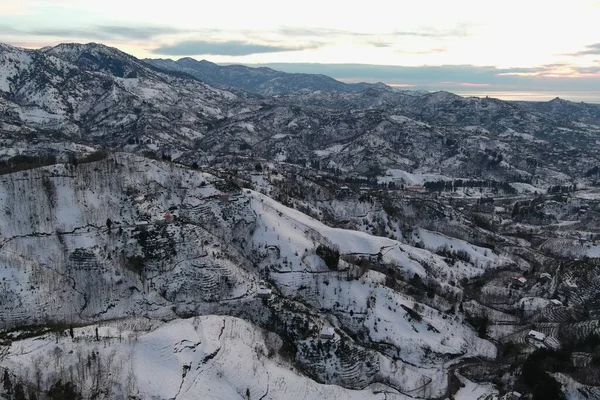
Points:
(190, 62)
(73, 51)
(80, 47)
(5, 46)
(558, 100)
(99, 57)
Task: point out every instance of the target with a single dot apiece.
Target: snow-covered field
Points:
(474, 391)
(209, 357)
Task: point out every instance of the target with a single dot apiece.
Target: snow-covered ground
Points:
(288, 240)
(209, 357)
(474, 391)
(526, 188)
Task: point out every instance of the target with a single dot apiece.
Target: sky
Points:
(519, 46)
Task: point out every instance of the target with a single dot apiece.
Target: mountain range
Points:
(96, 95)
(263, 81)
(180, 229)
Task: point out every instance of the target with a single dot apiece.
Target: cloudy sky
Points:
(484, 46)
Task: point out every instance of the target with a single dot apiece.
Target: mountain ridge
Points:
(262, 80)
(100, 96)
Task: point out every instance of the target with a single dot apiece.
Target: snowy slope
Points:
(58, 246)
(287, 240)
(95, 94)
(211, 357)
(62, 261)
(293, 232)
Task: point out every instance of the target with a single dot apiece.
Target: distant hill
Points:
(262, 80)
(95, 95)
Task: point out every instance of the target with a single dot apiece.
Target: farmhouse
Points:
(571, 285)
(264, 293)
(535, 335)
(519, 280)
(512, 396)
(327, 333)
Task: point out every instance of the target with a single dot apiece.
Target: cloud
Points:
(228, 48)
(588, 70)
(593, 49)
(98, 32)
(317, 32)
(460, 30)
(422, 52)
(140, 32)
(466, 84)
(380, 44)
(9, 30)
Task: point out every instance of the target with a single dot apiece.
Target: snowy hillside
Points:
(164, 238)
(128, 236)
(211, 357)
(92, 93)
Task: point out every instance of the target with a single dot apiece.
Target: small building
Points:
(520, 280)
(327, 333)
(535, 335)
(419, 189)
(512, 396)
(264, 293)
(556, 302)
(571, 285)
(168, 217)
(544, 276)
(142, 225)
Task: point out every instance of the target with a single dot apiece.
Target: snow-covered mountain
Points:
(264, 81)
(92, 93)
(127, 237)
(162, 238)
(99, 96)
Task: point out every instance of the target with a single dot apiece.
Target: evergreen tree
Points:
(7, 382)
(19, 392)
